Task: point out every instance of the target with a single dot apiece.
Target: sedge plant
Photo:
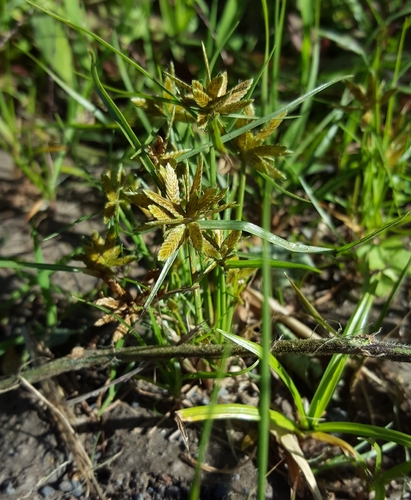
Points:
(203, 147)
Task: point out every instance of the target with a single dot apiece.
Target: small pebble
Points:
(137, 496)
(78, 489)
(269, 492)
(7, 487)
(160, 490)
(65, 486)
(46, 491)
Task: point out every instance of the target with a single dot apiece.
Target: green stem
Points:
(241, 192)
(197, 292)
(265, 374)
(213, 168)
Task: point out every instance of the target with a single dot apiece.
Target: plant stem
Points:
(197, 291)
(265, 374)
(241, 192)
(105, 357)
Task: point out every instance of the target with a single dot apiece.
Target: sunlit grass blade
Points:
(235, 411)
(261, 233)
(276, 367)
(114, 111)
(40, 266)
(399, 220)
(332, 374)
(167, 266)
(365, 430)
(98, 39)
(274, 264)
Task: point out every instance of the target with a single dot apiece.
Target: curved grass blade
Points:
(237, 411)
(20, 264)
(370, 236)
(101, 41)
(261, 233)
(366, 430)
(276, 366)
(70, 91)
(112, 108)
(275, 264)
(167, 266)
(332, 374)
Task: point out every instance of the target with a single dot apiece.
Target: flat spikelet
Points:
(173, 241)
(171, 182)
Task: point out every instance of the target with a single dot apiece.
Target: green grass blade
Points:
(114, 111)
(365, 430)
(167, 266)
(235, 411)
(389, 225)
(274, 264)
(261, 233)
(70, 91)
(332, 374)
(40, 266)
(274, 365)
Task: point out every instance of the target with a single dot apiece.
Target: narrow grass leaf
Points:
(275, 264)
(89, 106)
(372, 235)
(312, 311)
(237, 411)
(275, 365)
(167, 266)
(261, 233)
(114, 111)
(365, 430)
(332, 374)
(20, 264)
